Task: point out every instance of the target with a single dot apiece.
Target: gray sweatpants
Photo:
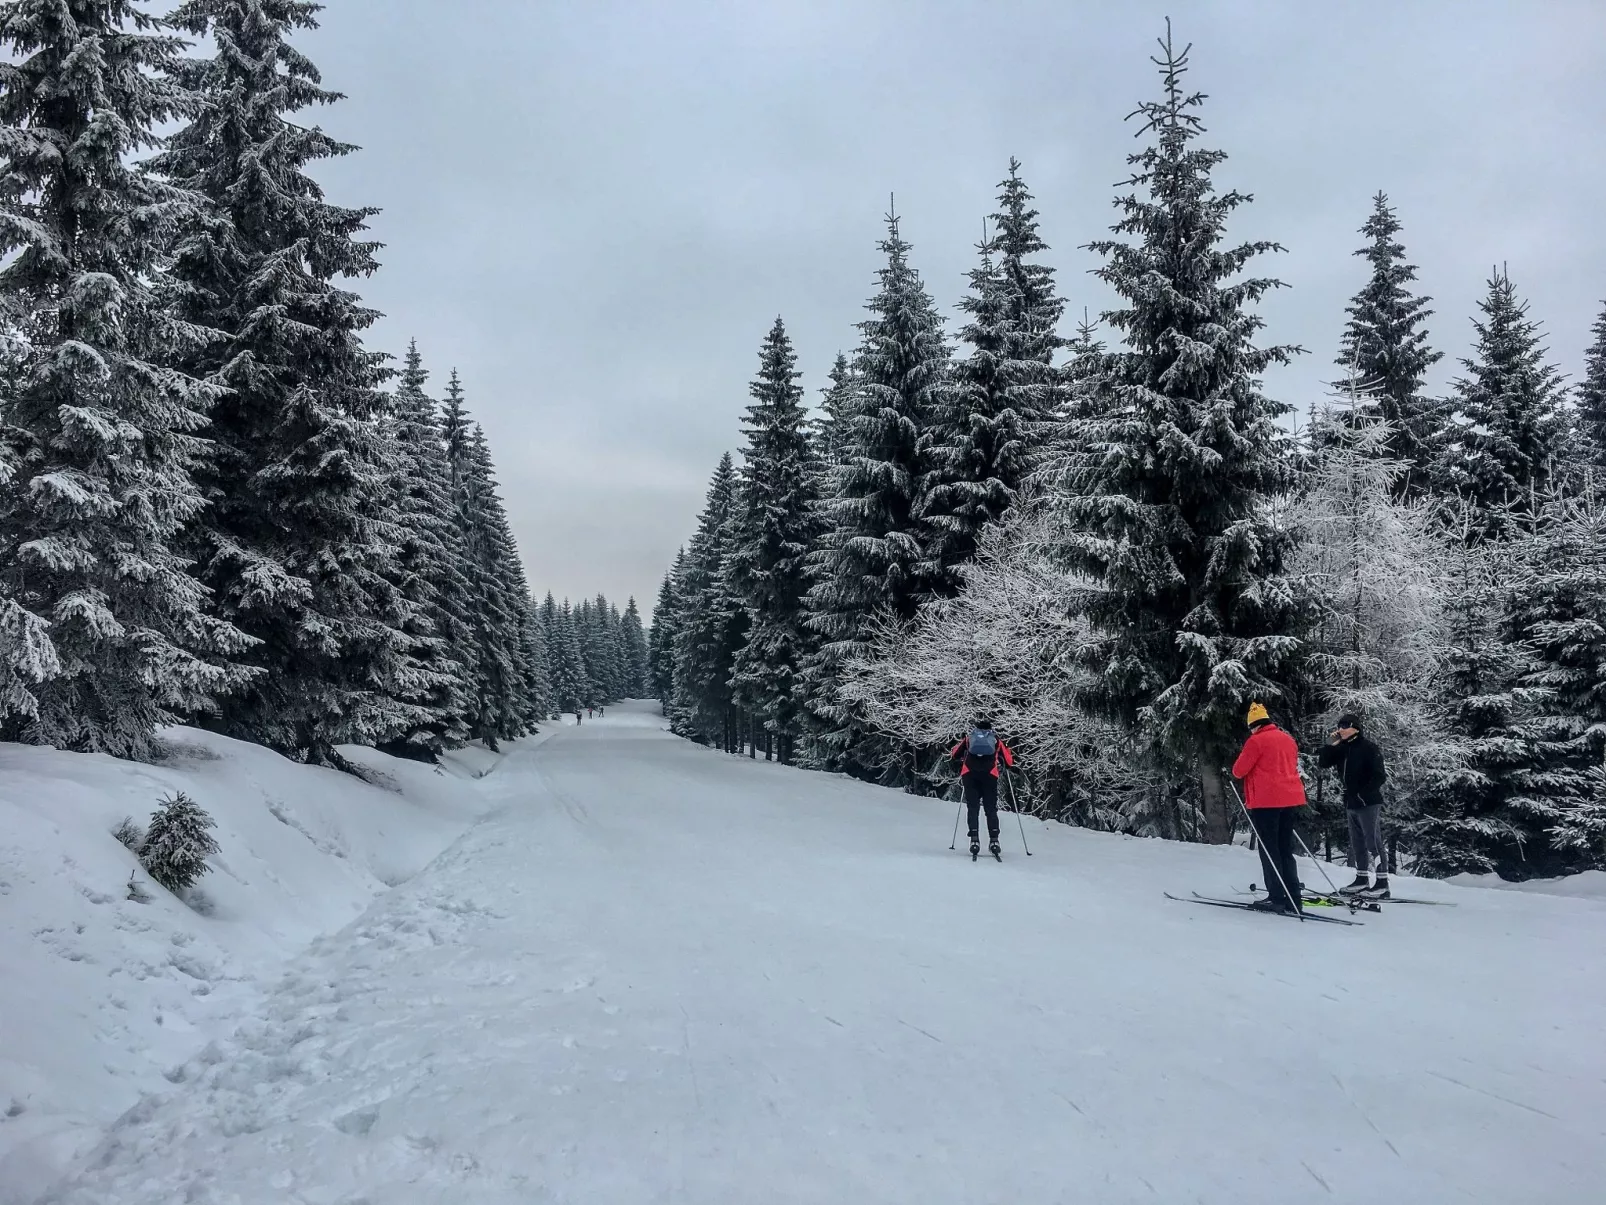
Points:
(1366, 839)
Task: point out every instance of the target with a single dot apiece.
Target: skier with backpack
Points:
(978, 756)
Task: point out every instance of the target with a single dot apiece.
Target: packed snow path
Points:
(663, 974)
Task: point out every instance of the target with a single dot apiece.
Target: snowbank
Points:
(1590, 885)
(99, 994)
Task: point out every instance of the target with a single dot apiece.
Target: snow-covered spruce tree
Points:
(1385, 344)
(999, 405)
(178, 842)
(1377, 564)
(871, 556)
(1557, 609)
(1165, 498)
(428, 570)
(112, 638)
(502, 705)
(570, 687)
(297, 544)
(712, 623)
(836, 407)
(773, 529)
(1492, 810)
(538, 658)
(600, 643)
(1592, 403)
(635, 641)
(1507, 426)
(617, 653)
(1079, 396)
(661, 643)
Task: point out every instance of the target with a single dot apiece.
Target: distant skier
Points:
(578, 718)
(1269, 769)
(1360, 768)
(977, 757)
(591, 711)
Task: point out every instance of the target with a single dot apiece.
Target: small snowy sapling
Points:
(177, 845)
(129, 834)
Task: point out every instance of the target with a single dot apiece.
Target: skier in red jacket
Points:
(1273, 792)
(977, 757)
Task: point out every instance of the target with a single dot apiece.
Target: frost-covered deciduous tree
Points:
(1006, 648)
(1377, 564)
(111, 636)
(1168, 480)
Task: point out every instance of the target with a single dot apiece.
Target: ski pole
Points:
(1009, 780)
(1319, 866)
(1288, 895)
(957, 814)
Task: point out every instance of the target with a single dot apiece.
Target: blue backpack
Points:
(981, 749)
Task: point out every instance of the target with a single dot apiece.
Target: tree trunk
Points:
(1218, 809)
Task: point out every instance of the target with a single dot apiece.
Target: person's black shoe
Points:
(1360, 884)
(975, 847)
(992, 846)
(1268, 905)
(1378, 890)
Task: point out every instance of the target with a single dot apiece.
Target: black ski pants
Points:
(1274, 831)
(981, 790)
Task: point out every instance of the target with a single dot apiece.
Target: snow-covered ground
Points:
(657, 973)
(100, 994)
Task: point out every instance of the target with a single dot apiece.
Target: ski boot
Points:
(1360, 884)
(1378, 890)
(975, 848)
(992, 848)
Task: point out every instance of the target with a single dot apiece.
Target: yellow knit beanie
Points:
(1257, 713)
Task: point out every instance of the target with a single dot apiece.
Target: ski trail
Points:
(660, 973)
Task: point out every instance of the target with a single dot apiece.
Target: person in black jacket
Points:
(1360, 767)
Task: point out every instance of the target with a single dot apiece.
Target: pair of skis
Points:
(1315, 899)
(1369, 903)
(1196, 898)
(975, 852)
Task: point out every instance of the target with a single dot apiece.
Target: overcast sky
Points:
(595, 209)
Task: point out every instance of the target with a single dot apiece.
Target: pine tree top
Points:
(1592, 397)
(1509, 425)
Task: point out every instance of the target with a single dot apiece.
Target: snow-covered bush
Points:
(129, 833)
(177, 844)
